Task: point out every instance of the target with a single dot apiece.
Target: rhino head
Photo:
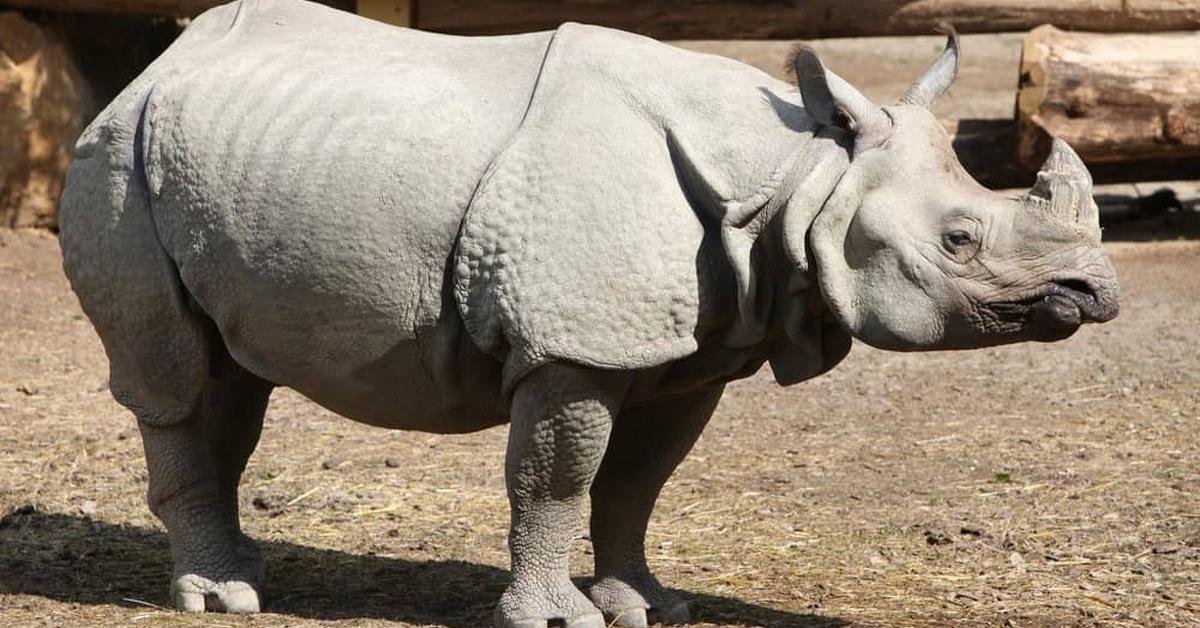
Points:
(912, 253)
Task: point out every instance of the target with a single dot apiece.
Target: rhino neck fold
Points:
(763, 234)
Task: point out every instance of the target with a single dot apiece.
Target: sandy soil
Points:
(1032, 485)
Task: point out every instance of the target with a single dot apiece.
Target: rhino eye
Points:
(957, 239)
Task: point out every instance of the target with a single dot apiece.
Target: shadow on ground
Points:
(80, 560)
(1160, 215)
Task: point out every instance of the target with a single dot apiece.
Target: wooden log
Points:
(790, 19)
(398, 12)
(733, 19)
(165, 8)
(988, 150)
(1114, 98)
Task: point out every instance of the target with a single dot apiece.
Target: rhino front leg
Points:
(194, 467)
(561, 418)
(647, 443)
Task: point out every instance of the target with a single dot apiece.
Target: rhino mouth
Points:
(1056, 310)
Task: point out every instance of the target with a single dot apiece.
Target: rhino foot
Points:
(234, 590)
(595, 620)
(192, 593)
(637, 600)
(558, 604)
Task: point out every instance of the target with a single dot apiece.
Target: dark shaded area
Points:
(79, 560)
(1160, 215)
(110, 50)
(987, 148)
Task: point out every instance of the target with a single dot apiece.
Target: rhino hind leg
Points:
(195, 467)
(199, 412)
(561, 418)
(646, 445)
(198, 431)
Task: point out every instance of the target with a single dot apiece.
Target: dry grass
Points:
(1034, 485)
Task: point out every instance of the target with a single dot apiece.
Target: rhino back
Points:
(308, 172)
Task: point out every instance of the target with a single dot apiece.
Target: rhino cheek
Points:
(898, 314)
(879, 289)
(884, 301)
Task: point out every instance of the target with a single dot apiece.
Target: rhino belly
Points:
(375, 374)
(360, 325)
(310, 192)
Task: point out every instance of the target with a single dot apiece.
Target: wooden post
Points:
(398, 12)
(1114, 98)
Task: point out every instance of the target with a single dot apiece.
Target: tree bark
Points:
(791, 19)
(1114, 98)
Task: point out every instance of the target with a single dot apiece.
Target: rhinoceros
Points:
(582, 233)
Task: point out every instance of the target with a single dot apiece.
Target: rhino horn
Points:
(937, 79)
(1064, 186)
(826, 95)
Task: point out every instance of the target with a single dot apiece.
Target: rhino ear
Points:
(831, 101)
(814, 89)
(940, 75)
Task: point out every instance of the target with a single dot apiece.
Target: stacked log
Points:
(1115, 98)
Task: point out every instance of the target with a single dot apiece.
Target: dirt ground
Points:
(1031, 485)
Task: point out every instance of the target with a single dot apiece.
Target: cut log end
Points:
(1114, 98)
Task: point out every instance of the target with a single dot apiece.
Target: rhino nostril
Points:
(1098, 304)
(1077, 285)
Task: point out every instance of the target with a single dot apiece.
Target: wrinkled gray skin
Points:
(585, 233)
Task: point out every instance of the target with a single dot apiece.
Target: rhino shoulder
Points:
(596, 237)
(580, 244)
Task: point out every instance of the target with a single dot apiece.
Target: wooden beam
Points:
(165, 8)
(723, 19)
(791, 19)
(1114, 98)
(398, 12)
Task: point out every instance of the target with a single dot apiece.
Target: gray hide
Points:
(585, 233)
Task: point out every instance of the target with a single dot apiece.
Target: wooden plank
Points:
(790, 19)
(398, 12)
(1114, 98)
(166, 8)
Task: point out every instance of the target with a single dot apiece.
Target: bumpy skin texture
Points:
(561, 420)
(645, 446)
(585, 232)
